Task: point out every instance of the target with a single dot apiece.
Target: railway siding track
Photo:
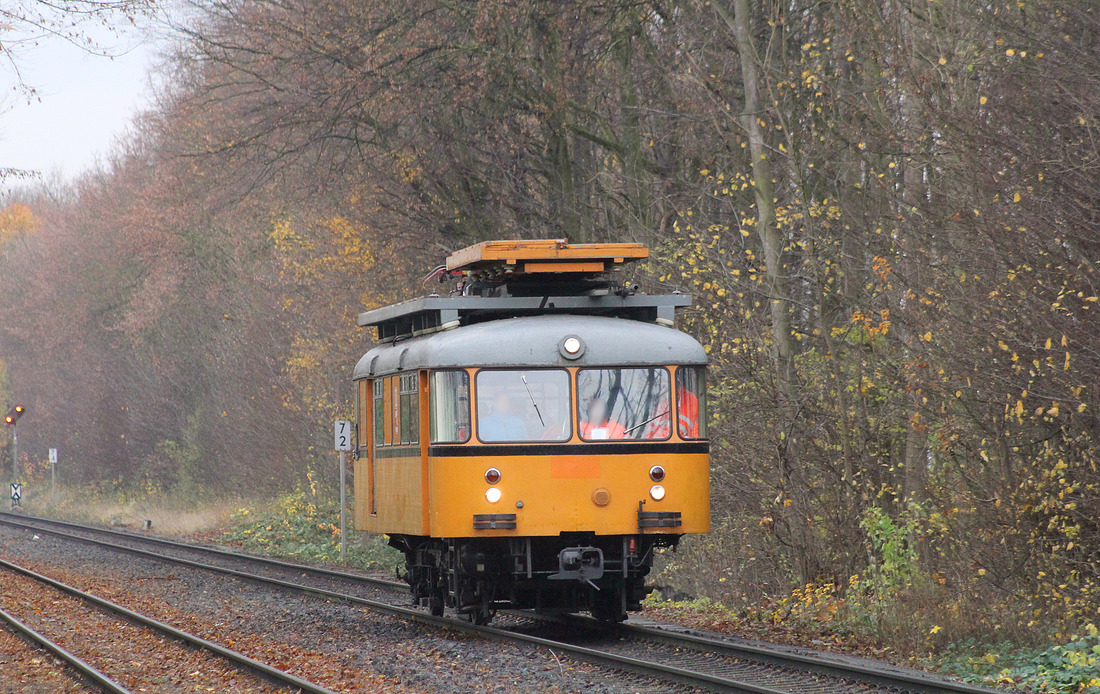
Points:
(240, 661)
(689, 659)
(79, 667)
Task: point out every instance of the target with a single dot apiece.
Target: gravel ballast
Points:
(343, 647)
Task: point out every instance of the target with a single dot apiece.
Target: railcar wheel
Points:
(609, 605)
(480, 617)
(435, 607)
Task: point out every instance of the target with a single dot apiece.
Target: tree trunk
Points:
(776, 274)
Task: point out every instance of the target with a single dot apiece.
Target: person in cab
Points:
(600, 426)
(502, 424)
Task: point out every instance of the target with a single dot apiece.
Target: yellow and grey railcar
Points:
(529, 440)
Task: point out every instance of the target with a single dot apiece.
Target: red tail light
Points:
(656, 473)
(492, 475)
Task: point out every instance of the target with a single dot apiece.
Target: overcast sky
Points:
(84, 101)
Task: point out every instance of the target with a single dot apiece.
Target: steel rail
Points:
(808, 663)
(82, 668)
(913, 681)
(217, 551)
(248, 664)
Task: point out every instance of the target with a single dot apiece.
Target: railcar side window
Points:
(362, 399)
(379, 412)
(523, 405)
(691, 402)
(410, 408)
(624, 404)
(450, 407)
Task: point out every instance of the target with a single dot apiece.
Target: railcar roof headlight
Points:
(657, 492)
(493, 495)
(492, 475)
(571, 347)
(656, 473)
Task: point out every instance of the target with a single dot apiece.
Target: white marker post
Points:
(343, 431)
(53, 474)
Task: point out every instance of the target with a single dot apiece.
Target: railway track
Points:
(254, 668)
(689, 659)
(78, 666)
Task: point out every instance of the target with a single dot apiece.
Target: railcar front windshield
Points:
(623, 403)
(516, 406)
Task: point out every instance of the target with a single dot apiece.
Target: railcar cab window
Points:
(518, 406)
(691, 402)
(450, 407)
(624, 404)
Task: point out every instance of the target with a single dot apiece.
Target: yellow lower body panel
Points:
(552, 494)
(398, 496)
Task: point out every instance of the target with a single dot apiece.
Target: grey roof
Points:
(534, 342)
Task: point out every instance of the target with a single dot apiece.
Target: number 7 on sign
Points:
(343, 435)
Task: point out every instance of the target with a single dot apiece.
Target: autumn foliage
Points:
(885, 211)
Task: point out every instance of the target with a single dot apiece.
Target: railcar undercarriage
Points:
(603, 574)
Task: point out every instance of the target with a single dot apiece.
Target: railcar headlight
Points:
(571, 347)
(656, 473)
(492, 476)
(493, 494)
(656, 491)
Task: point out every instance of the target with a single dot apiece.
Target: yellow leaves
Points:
(943, 61)
(1002, 345)
(1010, 52)
(927, 337)
(983, 100)
(16, 220)
(936, 629)
(1016, 197)
(981, 572)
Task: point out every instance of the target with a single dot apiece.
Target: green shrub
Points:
(304, 527)
(1070, 668)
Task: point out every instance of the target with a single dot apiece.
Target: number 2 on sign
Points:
(343, 432)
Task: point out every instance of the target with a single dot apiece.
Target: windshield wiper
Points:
(523, 377)
(639, 426)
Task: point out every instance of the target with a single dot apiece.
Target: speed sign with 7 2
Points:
(343, 435)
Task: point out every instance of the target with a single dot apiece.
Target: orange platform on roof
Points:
(544, 255)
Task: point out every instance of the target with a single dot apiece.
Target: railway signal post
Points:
(11, 419)
(53, 474)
